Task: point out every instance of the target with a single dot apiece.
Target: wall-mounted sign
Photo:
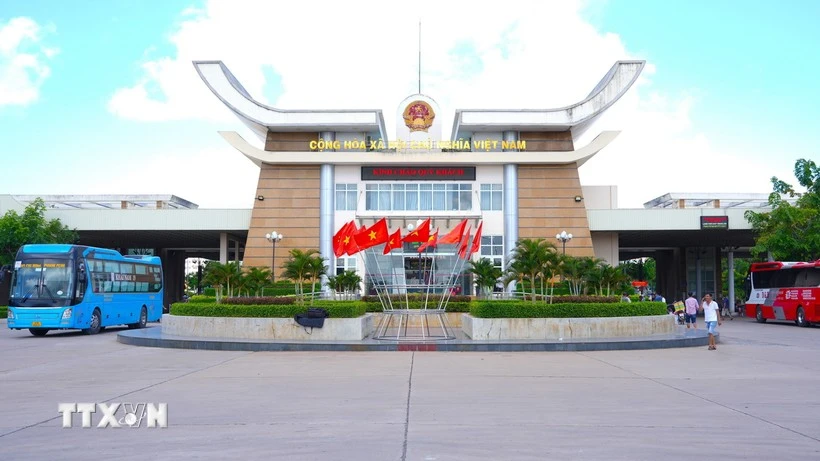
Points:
(714, 222)
(418, 173)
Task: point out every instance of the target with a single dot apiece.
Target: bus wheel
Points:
(801, 318)
(95, 323)
(759, 315)
(38, 331)
(143, 319)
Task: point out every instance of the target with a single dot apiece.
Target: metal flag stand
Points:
(408, 304)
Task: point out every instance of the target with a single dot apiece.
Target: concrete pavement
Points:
(756, 397)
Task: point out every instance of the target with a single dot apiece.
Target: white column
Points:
(510, 189)
(223, 248)
(327, 207)
(236, 251)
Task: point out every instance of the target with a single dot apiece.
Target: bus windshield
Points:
(41, 279)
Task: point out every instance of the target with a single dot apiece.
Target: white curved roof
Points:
(575, 117)
(260, 117)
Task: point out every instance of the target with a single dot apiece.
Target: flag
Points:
(373, 235)
(454, 236)
(476, 246)
(350, 242)
(421, 234)
(341, 239)
(462, 247)
(393, 242)
(431, 242)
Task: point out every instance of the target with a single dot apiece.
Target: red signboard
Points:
(714, 222)
(418, 173)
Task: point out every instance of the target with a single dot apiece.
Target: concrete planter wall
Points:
(554, 329)
(334, 329)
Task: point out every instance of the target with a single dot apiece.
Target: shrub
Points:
(584, 299)
(4, 312)
(524, 309)
(336, 309)
(259, 300)
(202, 299)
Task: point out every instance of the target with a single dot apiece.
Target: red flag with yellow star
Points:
(431, 242)
(372, 236)
(350, 242)
(342, 238)
(421, 234)
(393, 242)
(455, 235)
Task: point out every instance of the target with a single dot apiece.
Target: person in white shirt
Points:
(711, 314)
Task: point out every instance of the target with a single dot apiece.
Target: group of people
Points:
(711, 313)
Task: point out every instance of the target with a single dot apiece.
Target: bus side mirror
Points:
(81, 273)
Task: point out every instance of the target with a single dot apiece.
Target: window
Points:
(492, 248)
(345, 197)
(345, 264)
(491, 197)
(419, 197)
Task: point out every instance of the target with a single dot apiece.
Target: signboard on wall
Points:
(714, 222)
(418, 173)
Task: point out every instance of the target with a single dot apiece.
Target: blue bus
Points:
(57, 287)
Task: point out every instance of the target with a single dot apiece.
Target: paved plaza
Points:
(756, 397)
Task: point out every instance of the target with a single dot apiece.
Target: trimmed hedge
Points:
(4, 312)
(451, 306)
(202, 299)
(523, 309)
(278, 289)
(348, 309)
(258, 300)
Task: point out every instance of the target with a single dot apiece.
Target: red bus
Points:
(784, 291)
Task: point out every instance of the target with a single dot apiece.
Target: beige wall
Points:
(546, 206)
(290, 207)
(606, 246)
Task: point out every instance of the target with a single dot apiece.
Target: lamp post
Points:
(199, 276)
(273, 237)
(564, 238)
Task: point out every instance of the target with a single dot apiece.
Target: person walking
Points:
(711, 315)
(691, 311)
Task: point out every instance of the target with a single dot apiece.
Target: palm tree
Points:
(316, 269)
(217, 275)
(351, 281)
(257, 278)
(529, 258)
(297, 268)
(486, 275)
(577, 271)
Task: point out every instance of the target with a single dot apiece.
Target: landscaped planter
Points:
(334, 329)
(565, 328)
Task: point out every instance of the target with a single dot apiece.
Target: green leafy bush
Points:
(524, 309)
(202, 299)
(336, 309)
(258, 300)
(4, 312)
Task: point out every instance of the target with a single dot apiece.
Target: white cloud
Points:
(23, 61)
(341, 55)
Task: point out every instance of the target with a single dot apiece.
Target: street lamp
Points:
(564, 238)
(273, 237)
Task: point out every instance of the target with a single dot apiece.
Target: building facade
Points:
(514, 170)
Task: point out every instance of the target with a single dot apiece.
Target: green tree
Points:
(298, 268)
(257, 278)
(31, 227)
(486, 275)
(790, 232)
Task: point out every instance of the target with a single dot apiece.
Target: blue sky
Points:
(729, 97)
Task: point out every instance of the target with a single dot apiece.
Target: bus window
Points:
(762, 280)
(812, 277)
